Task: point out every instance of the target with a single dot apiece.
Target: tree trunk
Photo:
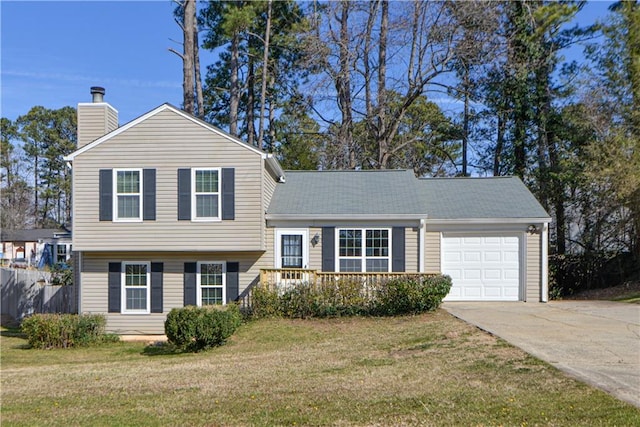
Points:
(384, 139)
(198, 75)
(265, 68)
(187, 58)
(497, 155)
(343, 87)
(234, 92)
(251, 102)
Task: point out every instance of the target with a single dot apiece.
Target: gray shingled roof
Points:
(348, 194)
(30, 235)
(399, 194)
(466, 198)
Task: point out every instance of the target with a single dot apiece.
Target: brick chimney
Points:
(96, 118)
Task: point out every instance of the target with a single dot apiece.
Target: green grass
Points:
(425, 370)
(633, 298)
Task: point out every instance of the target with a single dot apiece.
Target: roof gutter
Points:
(274, 166)
(488, 221)
(343, 217)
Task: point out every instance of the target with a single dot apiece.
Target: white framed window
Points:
(61, 252)
(292, 248)
(127, 195)
(363, 249)
(205, 194)
(211, 281)
(136, 287)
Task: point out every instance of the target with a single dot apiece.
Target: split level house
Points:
(170, 211)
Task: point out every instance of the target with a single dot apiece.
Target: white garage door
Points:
(482, 267)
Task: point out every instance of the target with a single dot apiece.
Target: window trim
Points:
(194, 211)
(116, 218)
(304, 232)
(363, 253)
(123, 288)
(199, 285)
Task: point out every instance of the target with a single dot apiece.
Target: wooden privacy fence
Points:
(282, 279)
(25, 292)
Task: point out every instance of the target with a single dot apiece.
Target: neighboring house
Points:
(31, 244)
(170, 211)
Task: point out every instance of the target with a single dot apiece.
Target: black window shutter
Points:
(156, 286)
(106, 195)
(184, 194)
(228, 193)
(233, 281)
(328, 248)
(189, 297)
(115, 292)
(397, 249)
(149, 199)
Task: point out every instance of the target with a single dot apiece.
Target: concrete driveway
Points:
(597, 342)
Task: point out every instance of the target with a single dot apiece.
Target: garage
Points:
(483, 267)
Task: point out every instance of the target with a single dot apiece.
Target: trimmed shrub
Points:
(264, 302)
(197, 328)
(64, 330)
(405, 295)
(411, 295)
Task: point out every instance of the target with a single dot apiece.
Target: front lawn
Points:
(425, 370)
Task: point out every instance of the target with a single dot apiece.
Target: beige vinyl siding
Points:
(432, 251)
(315, 254)
(532, 279)
(95, 284)
(95, 121)
(268, 188)
(411, 249)
(167, 142)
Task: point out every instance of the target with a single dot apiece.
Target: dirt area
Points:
(625, 290)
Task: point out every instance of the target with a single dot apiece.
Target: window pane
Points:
(291, 246)
(136, 299)
(377, 243)
(136, 275)
(206, 206)
(128, 182)
(376, 265)
(350, 242)
(207, 181)
(210, 274)
(350, 265)
(211, 296)
(128, 206)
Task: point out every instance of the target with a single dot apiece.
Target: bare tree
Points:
(185, 14)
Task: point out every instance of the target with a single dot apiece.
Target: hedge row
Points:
(65, 330)
(406, 295)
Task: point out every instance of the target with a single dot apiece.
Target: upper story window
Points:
(127, 203)
(205, 194)
(363, 250)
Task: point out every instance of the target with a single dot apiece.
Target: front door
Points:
(292, 248)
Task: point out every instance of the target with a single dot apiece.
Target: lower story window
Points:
(363, 250)
(136, 287)
(211, 283)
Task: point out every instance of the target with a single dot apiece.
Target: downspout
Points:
(544, 276)
(421, 231)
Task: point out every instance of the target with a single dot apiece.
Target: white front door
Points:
(483, 267)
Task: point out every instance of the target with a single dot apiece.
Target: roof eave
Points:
(343, 217)
(152, 113)
(453, 221)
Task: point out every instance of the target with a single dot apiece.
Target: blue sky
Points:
(51, 52)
